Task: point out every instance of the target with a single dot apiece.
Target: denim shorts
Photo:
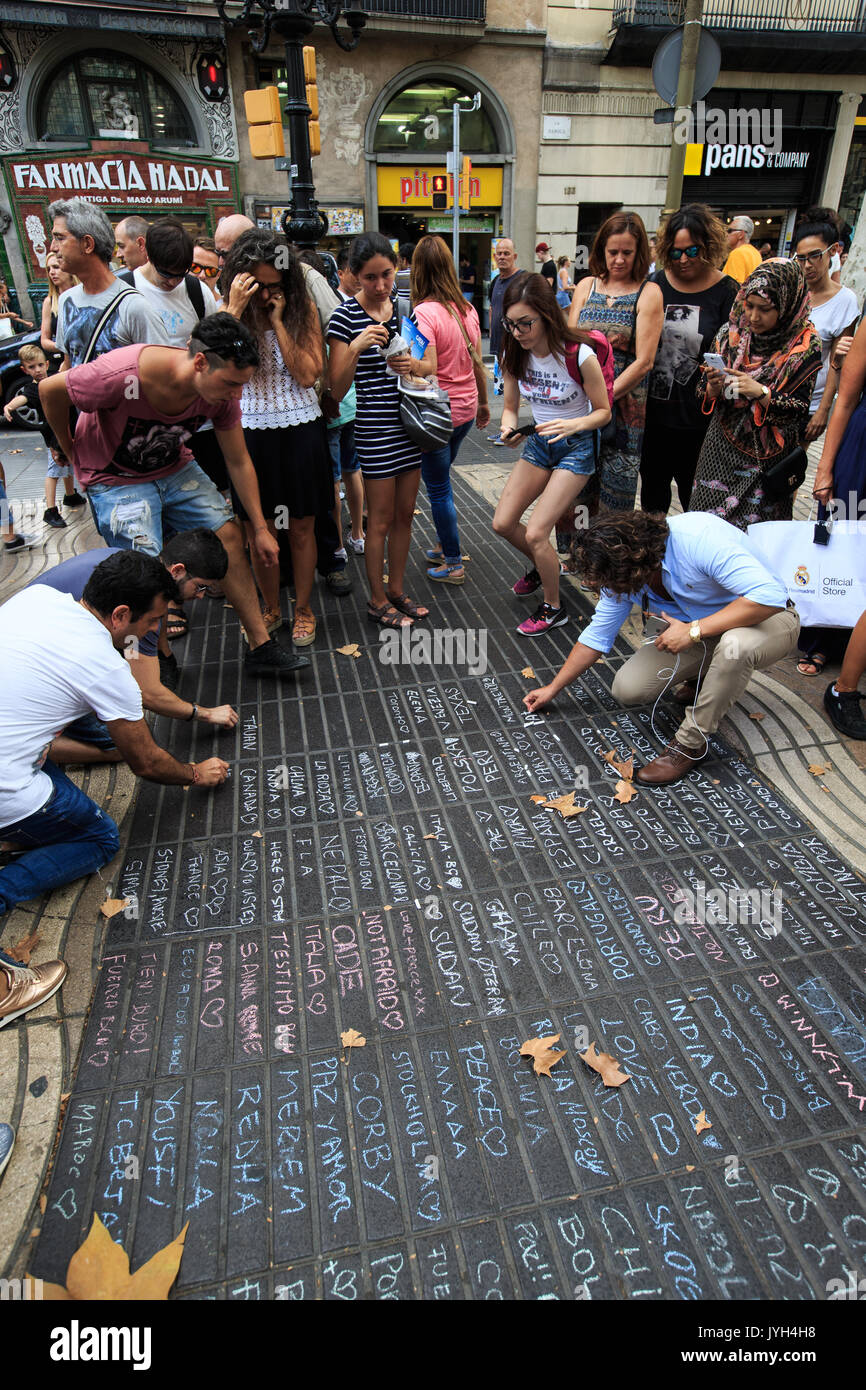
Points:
(137, 515)
(575, 454)
(58, 470)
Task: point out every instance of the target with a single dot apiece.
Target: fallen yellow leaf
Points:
(756, 715)
(607, 1066)
(816, 770)
(112, 906)
(625, 792)
(528, 673)
(23, 950)
(539, 800)
(431, 837)
(702, 1123)
(352, 1038)
(257, 834)
(99, 1271)
(565, 806)
(539, 1049)
(351, 650)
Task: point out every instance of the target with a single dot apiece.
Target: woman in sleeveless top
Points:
(58, 281)
(618, 300)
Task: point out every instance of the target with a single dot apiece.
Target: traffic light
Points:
(440, 192)
(312, 99)
(466, 180)
(265, 121)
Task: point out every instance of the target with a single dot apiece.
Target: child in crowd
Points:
(35, 364)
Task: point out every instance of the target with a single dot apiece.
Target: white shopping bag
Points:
(826, 582)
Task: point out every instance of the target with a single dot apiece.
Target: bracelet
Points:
(190, 717)
(195, 776)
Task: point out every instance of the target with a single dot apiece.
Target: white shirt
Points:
(58, 663)
(828, 320)
(552, 393)
(272, 399)
(174, 307)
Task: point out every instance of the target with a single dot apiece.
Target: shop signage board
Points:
(411, 185)
(131, 181)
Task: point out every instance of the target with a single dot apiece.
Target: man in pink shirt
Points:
(139, 406)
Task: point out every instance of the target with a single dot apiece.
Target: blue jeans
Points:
(138, 515)
(436, 472)
(65, 839)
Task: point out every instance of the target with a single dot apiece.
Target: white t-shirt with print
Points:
(174, 307)
(58, 664)
(551, 392)
(828, 320)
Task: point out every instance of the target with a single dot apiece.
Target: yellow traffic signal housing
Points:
(312, 100)
(265, 121)
(466, 183)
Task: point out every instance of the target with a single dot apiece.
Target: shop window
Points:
(419, 120)
(107, 96)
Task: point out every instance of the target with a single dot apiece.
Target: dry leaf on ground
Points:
(431, 837)
(565, 806)
(99, 1270)
(22, 950)
(351, 650)
(112, 906)
(817, 770)
(352, 1038)
(756, 715)
(539, 800)
(624, 768)
(625, 792)
(257, 835)
(607, 1067)
(702, 1123)
(543, 1058)
(529, 673)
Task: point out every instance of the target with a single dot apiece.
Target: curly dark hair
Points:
(615, 226)
(536, 293)
(620, 551)
(702, 225)
(259, 246)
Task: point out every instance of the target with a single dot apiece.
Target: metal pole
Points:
(685, 96)
(455, 157)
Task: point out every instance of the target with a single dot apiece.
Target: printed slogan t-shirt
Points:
(119, 435)
(550, 389)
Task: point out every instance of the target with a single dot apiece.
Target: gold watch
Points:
(695, 631)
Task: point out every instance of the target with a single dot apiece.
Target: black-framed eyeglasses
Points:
(812, 257)
(676, 253)
(518, 325)
(169, 274)
(204, 590)
(210, 272)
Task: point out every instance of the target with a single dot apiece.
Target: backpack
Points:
(191, 282)
(603, 351)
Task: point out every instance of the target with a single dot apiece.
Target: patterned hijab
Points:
(768, 357)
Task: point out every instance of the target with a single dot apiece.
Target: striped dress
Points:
(383, 446)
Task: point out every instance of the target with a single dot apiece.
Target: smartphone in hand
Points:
(715, 361)
(522, 432)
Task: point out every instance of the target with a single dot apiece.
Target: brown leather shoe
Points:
(684, 694)
(669, 766)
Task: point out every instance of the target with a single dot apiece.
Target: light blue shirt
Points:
(707, 564)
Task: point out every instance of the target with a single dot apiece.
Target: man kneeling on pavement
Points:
(727, 615)
(197, 562)
(62, 659)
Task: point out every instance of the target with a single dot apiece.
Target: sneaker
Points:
(7, 1141)
(52, 517)
(74, 499)
(30, 986)
(543, 619)
(20, 543)
(304, 627)
(169, 671)
(341, 554)
(356, 546)
(270, 659)
(448, 574)
(528, 584)
(339, 583)
(843, 711)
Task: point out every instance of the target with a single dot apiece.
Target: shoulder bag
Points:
(425, 418)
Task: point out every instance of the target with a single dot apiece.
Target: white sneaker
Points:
(341, 554)
(356, 546)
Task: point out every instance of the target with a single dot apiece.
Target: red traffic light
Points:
(440, 183)
(440, 192)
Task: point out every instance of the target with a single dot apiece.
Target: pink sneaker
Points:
(543, 619)
(528, 584)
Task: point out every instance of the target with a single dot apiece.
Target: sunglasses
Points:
(676, 253)
(169, 274)
(517, 325)
(210, 272)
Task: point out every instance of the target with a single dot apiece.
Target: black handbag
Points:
(782, 478)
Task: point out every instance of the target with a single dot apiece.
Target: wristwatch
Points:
(695, 631)
(765, 391)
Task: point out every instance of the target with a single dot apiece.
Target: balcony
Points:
(754, 35)
(455, 11)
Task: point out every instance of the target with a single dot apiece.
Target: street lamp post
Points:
(294, 20)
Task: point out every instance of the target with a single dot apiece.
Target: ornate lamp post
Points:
(294, 21)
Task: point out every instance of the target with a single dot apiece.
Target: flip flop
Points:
(406, 605)
(176, 623)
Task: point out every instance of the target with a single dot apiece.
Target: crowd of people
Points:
(216, 398)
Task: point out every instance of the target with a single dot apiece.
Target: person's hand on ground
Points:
(221, 716)
(211, 773)
(538, 699)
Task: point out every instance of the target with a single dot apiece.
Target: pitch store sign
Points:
(118, 183)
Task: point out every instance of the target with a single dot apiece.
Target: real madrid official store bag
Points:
(827, 583)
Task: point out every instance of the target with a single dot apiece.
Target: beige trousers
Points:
(728, 666)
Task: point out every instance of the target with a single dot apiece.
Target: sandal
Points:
(386, 615)
(176, 623)
(816, 661)
(406, 605)
(304, 627)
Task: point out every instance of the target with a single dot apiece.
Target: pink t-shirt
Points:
(119, 435)
(454, 371)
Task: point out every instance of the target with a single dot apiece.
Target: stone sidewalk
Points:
(41, 1051)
